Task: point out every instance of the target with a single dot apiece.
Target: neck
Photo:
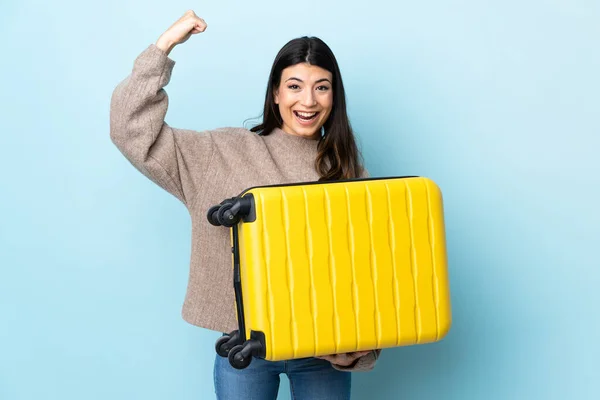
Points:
(315, 136)
(293, 143)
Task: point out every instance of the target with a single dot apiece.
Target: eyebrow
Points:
(300, 80)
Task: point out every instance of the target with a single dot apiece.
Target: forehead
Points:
(305, 72)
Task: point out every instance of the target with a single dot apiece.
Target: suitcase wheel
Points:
(226, 342)
(237, 359)
(241, 355)
(211, 215)
(230, 211)
(226, 217)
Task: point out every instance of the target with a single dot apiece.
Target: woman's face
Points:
(305, 99)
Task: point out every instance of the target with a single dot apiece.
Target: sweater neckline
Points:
(293, 143)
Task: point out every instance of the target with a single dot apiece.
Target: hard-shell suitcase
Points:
(332, 267)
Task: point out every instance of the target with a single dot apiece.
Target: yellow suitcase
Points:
(333, 267)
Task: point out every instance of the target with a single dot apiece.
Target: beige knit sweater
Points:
(201, 169)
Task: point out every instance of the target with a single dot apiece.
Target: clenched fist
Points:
(186, 26)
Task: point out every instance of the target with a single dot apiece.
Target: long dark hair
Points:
(338, 156)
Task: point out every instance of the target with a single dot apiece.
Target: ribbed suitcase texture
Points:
(345, 266)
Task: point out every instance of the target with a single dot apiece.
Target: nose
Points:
(308, 98)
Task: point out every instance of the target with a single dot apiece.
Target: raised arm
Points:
(173, 158)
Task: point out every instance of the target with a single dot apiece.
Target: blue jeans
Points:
(310, 379)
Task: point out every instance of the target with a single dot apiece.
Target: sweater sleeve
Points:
(175, 159)
(362, 364)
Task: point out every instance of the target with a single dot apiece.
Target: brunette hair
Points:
(338, 156)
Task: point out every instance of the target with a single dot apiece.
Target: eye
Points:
(323, 88)
(293, 87)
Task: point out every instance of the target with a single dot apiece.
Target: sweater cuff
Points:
(362, 364)
(154, 62)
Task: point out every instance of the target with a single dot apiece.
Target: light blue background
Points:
(496, 101)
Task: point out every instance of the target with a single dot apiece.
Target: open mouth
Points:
(306, 116)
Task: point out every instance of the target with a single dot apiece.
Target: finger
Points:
(199, 27)
(344, 360)
(357, 355)
(327, 358)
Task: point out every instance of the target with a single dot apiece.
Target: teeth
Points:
(306, 115)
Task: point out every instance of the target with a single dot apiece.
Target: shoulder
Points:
(235, 142)
(230, 136)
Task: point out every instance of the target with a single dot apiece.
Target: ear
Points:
(276, 95)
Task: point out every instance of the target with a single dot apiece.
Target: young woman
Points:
(305, 136)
